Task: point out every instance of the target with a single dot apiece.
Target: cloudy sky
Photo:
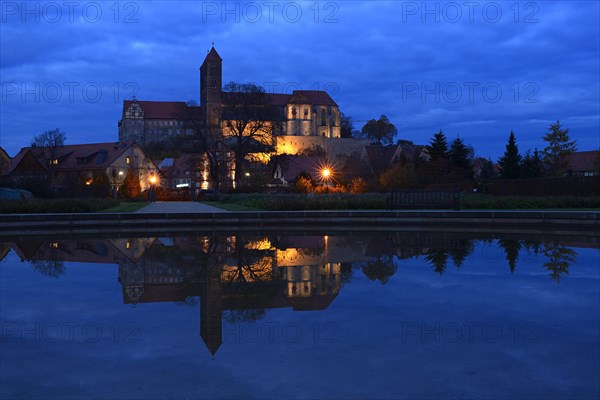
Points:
(474, 69)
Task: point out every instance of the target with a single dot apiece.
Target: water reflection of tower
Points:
(211, 309)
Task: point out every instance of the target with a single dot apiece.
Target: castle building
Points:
(301, 117)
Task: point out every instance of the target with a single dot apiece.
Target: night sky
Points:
(474, 69)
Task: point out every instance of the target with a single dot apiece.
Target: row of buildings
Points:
(228, 273)
(284, 125)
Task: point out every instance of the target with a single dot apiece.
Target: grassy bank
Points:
(377, 201)
(44, 206)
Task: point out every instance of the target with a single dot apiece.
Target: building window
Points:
(323, 117)
(293, 112)
(305, 112)
(127, 160)
(53, 161)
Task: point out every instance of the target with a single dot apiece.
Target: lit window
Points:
(53, 161)
(127, 160)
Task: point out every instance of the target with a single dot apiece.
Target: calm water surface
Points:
(353, 315)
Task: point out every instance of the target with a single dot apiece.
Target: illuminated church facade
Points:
(302, 119)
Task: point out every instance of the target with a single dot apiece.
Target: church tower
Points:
(210, 88)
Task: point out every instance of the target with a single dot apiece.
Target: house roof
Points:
(316, 97)
(185, 162)
(292, 166)
(312, 97)
(3, 154)
(77, 156)
(159, 109)
(583, 160)
(19, 157)
(378, 154)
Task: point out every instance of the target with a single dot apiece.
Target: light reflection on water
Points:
(394, 315)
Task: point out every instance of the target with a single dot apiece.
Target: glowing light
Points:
(153, 179)
(326, 172)
(120, 173)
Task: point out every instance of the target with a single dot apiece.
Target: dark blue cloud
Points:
(518, 66)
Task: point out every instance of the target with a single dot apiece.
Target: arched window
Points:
(293, 112)
(305, 112)
(323, 117)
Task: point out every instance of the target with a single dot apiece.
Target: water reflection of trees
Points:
(249, 265)
(511, 248)
(52, 268)
(438, 258)
(560, 258)
(379, 268)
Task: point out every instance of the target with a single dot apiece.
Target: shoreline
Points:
(582, 222)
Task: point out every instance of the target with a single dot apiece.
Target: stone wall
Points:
(333, 146)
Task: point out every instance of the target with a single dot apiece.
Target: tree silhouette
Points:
(47, 145)
(459, 154)
(560, 258)
(438, 147)
(381, 130)
(380, 268)
(438, 258)
(510, 162)
(532, 165)
(559, 145)
(248, 121)
(51, 268)
(460, 253)
(511, 248)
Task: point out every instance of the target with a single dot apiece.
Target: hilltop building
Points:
(302, 119)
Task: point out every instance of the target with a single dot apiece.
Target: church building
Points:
(302, 119)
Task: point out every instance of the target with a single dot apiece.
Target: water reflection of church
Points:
(229, 274)
(242, 276)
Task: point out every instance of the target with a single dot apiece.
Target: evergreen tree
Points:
(459, 154)
(438, 147)
(511, 160)
(532, 166)
(559, 145)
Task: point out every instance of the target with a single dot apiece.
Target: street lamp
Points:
(153, 180)
(326, 174)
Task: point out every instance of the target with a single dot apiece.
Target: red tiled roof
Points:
(19, 157)
(316, 97)
(583, 160)
(159, 109)
(96, 155)
(313, 97)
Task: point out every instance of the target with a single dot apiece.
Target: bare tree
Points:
(48, 145)
(248, 122)
(203, 140)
